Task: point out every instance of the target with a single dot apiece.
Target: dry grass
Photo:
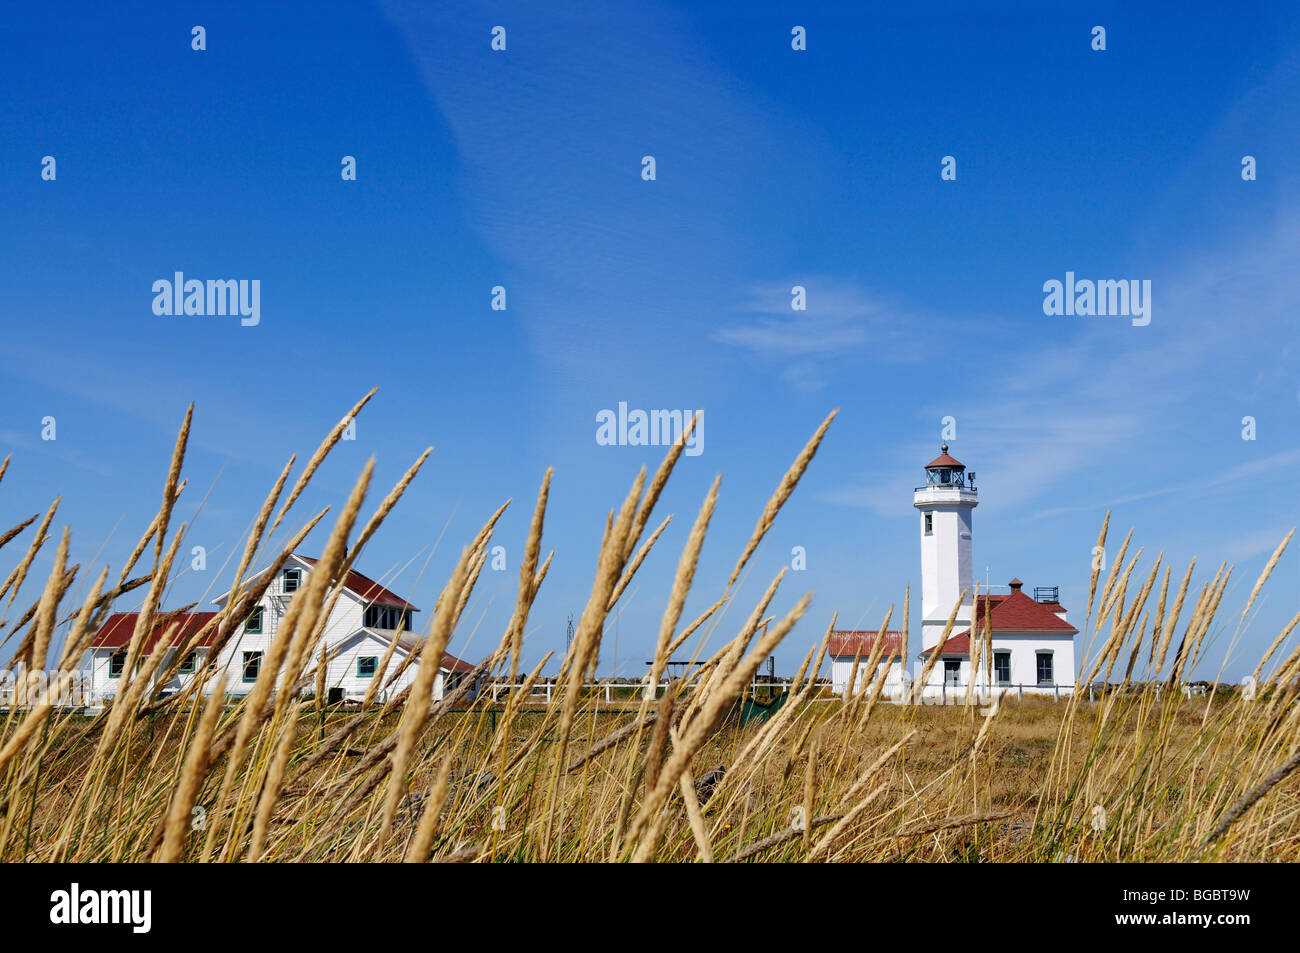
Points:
(1140, 774)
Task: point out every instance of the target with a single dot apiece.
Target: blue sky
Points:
(774, 168)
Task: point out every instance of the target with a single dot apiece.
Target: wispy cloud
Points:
(1040, 414)
(1190, 489)
(842, 321)
(75, 458)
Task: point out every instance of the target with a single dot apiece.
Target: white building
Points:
(365, 620)
(1032, 642)
(850, 646)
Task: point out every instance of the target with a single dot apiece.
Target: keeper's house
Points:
(364, 622)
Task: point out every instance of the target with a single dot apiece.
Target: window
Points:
(191, 662)
(387, 617)
(1002, 667)
(1045, 669)
(254, 623)
(929, 524)
(116, 664)
(367, 665)
(252, 665)
(952, 672)
(292, 580)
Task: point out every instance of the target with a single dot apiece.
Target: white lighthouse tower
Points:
(945, 504)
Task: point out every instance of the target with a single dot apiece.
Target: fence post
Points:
(1020, 691)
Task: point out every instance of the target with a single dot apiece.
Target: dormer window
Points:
(292, 580)
(387, 617)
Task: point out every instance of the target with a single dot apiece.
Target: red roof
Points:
(369, 590)
(118, 628)
(410, 642)
(454, 664)
(1015, 612)
(851, 643)
(956, 645)
(1018, 612)
(943, 460)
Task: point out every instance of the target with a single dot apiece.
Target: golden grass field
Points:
(1137, 775)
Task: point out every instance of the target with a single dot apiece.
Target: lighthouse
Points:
(945, 504)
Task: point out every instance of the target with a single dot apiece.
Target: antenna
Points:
(568, 636)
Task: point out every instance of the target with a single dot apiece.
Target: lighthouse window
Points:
(929, 524)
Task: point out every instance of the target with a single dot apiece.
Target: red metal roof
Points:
(943, 460)
(853, 642)
(369, 590)
(118, 628)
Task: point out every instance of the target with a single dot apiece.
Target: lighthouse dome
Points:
(943, 461)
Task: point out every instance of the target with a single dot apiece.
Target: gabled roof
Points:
(369, 590)
(851, 643)
(1018, 612)
(118, 628)
(1014, 612)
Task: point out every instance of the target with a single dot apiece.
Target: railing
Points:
(613, 691)
(947, 693)
(543, 691)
